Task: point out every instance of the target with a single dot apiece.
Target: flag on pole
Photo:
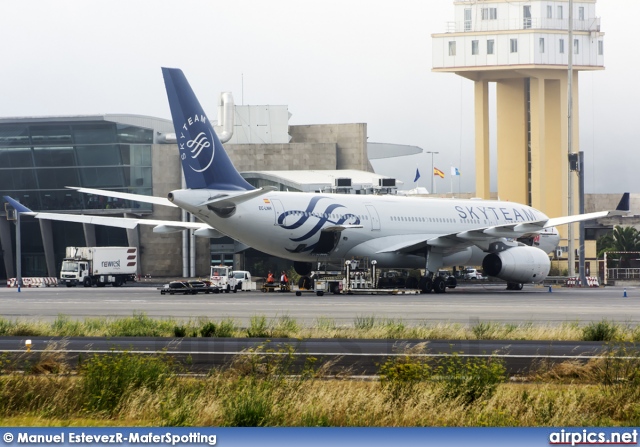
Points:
(438, 172)
(455, 171)
(417, 175)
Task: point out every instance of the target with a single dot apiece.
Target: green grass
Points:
(285, 326)
(265, 390)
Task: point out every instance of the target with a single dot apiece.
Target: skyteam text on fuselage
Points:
(396, 231)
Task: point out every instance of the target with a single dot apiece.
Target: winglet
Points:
(19, 207)
(624, 203)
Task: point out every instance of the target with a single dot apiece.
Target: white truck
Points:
(228, 280)
(99, 266)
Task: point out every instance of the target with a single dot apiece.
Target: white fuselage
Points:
(289, 224)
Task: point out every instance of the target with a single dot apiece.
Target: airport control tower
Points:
(523, 47)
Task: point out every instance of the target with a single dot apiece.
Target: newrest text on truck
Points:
(99, 266)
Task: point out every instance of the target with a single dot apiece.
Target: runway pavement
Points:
(358, 357)
(465, 304)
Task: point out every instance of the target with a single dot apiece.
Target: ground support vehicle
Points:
(99, 266)
(187, 288)
(243, 281)
(357, 278)
(228, 280)
(275, 287)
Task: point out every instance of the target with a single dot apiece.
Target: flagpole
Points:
(433, 187)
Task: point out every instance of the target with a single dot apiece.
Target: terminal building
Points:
(41, 156)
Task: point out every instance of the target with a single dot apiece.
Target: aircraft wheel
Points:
(320, 293)
(439, 285)
(452, 282)
(425, 285)
(298, 293)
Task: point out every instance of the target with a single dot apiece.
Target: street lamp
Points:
(431, 152)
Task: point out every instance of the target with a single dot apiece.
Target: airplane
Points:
(396, 231)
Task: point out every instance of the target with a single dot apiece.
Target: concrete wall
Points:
(350, 139)
(161, 254)
(283, 157)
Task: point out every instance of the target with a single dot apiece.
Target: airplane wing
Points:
(162, 226)
(121, 222)
(484, 235)
(126, 196)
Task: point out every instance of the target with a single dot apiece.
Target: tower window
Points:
(581, 13)
(452, 48)
(490, 45)
(600, 48)
(474, 47)
(541, 43)
(561, 46)
(514, 45)
(549, 12)
(489, 13)
(576, 46)
(560, 12)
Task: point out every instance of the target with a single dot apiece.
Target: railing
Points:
(590, 25)
(623, 273)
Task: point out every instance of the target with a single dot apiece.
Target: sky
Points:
(344, 61)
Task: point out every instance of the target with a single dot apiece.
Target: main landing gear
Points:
(438, 285)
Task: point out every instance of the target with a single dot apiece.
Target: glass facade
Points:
(37, 162)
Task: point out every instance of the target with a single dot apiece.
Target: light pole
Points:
(431, 152)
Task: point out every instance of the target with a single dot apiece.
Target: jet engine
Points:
(518, 265)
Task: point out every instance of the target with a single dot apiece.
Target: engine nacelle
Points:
(518, 265)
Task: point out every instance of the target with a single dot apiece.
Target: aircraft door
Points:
(278, 210)
(375, 219)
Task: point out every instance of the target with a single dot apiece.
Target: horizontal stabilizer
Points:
(231, 200)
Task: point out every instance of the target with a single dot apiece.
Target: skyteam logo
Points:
(318, 217)
(198, 152)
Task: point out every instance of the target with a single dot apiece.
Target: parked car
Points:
(471, 273)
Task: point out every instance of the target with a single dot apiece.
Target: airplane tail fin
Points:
(624, 205)
(205, 163)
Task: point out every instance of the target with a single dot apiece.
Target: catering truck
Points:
(99, 266)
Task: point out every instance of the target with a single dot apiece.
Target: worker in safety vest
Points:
(270, 278)
(283, 279)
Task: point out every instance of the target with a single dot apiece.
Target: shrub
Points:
(471, 378)
(399, 376)
(208, 329)
(226, 328)
(108, 379)
(180, 331)
(285, 327)
(601, 331)
(258, 327)
(364, 322)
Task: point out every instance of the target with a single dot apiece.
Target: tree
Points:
(620, 239)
